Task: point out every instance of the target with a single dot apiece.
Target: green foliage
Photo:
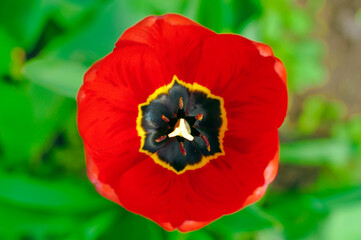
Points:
(317, 152)
(227, 16)
(32, 116)
(46, 47)
(62, 196)
(319, 113)
(63, 77)
(289, 29)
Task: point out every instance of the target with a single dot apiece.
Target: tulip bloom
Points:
(180, 124)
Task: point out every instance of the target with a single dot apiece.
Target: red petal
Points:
(108, 108)
(175, 39)
(250, 80)
(108, 100)
(152, 191)
(262, 153)
(193, 199)
(231, 182)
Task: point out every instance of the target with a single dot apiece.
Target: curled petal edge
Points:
(131, 33)
(171, 18)
(263, 49)
(266, 51)
(269, 174)
(281, 70)
(104, 189)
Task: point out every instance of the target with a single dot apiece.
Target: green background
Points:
(47, 45)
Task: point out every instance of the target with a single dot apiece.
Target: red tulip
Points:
(180, 123)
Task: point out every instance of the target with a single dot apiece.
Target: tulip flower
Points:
(180, 124)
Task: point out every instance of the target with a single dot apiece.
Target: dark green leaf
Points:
(24, 19)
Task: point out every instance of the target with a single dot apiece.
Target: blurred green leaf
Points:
(97, 36)
(310, 118)
(341, 197)
(345, 209)
(28, 23)
(272, 25)
(132, 226)
(160, 7)
(22, 223)
(343, 223)
(270, 234)
(227, 16)
(252, 31)
(244, 12)
(26, 20)
(350, 130)
(319, 112)
(11, 128)
(250, 219)
(96, 226)
(317, 152)
(28, 123)
(63, 77)
(196, 235)
(308, 73)
(65, 195)
(17, 223)
(299, 21)
(299, 214)
(71, 12)
(288, 29)
(210, 14)
(306, 216)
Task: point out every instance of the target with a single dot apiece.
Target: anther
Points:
(182, 149)
(180, 103)
(161, 138)
(205, 140)
(199, 116)
(165, 119)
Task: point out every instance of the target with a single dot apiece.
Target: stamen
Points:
(165, 119)
(161, 138)
(182, 129)
(180, 103)
(182, 149)
(205, 140)
(199, 116)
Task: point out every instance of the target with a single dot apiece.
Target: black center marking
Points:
(196, 115)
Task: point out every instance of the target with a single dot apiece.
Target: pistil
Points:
(182, 129)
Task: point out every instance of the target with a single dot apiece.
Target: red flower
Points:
(180, 123)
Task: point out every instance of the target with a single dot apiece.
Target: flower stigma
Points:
(182, 129)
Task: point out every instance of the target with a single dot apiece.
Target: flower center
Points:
(182, 126)
(182, 129)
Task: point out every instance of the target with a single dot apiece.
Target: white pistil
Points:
(182, 129)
